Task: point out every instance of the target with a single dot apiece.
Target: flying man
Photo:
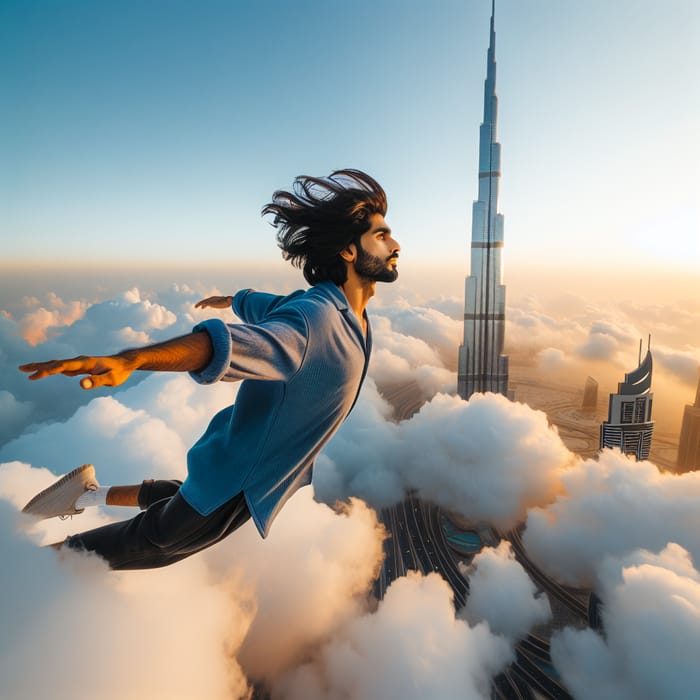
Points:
(302, 359)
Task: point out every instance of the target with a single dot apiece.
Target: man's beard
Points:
(374, 268)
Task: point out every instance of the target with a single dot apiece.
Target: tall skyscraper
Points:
(590, 394)
(482, 364)
(689, 443)
(629, 425)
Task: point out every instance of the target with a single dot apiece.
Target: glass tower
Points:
(482, 365)
(689, 441)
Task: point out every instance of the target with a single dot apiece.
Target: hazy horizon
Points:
(560, 327)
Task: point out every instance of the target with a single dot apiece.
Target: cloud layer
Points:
(295, 611)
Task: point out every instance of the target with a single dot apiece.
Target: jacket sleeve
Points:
(252, 307)
(273, 350)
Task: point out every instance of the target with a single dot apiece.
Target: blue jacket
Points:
(303, 358)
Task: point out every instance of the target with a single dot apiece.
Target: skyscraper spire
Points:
(482, 365)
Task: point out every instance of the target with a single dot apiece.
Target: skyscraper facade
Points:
(482, 365)
(629, 425)
(689, 442)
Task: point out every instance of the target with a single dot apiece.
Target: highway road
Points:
(418, 541)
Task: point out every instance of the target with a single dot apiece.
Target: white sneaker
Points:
(59, 498)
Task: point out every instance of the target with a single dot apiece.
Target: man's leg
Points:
(168, 528)
(79, 489)
(123, 495)
(166, 532)
(135, 495)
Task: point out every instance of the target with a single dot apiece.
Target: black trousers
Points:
(167, 530)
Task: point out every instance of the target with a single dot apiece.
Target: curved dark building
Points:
(629, 425)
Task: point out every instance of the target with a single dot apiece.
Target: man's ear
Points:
(349, 254)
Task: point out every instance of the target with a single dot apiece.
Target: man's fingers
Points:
(37, 366)
(203, 303)
(216, 302)
(77, 365)
(37, 370)
(30, 369)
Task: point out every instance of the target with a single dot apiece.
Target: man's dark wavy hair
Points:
(321, 217)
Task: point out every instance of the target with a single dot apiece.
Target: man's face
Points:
(377, 252)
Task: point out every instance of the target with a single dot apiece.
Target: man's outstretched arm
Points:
(189, 353)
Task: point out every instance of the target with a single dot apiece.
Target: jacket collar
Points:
(333, 292)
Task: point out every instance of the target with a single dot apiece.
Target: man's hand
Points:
(214, 303)
(188, 353)
(111, 370)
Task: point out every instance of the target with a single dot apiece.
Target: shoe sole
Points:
(55, 487)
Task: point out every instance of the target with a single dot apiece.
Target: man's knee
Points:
(152, 491)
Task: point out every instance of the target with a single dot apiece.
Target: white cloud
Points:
(551, 359)
(390, 370)
(684, 363)
(306, 580)
(13, 415)
(73, 629)
(622, 331)
(503, 595)
(125, 445)
(452, 307)
(104, 323)
(651, 618)
(488, 458)
(611, 506)
(599, 346)
(183, 405)
(413, 646)
(440, 332)
(36, 325)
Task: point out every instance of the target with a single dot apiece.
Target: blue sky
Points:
(154, 131)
